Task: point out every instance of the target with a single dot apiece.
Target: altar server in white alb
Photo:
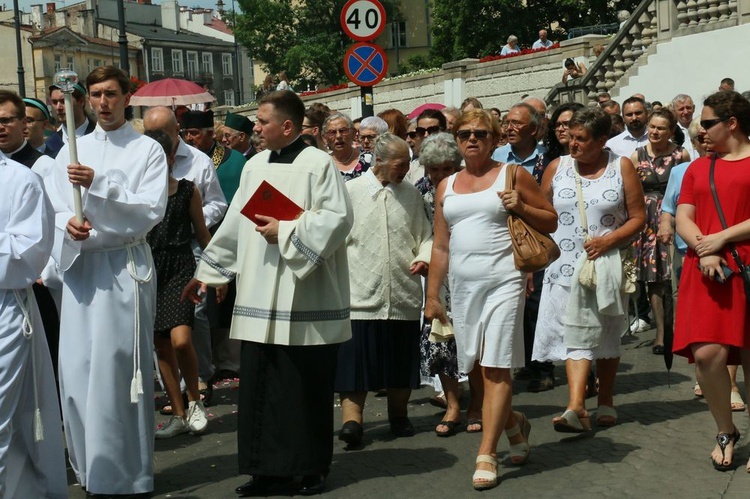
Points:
(109, 293)
(32, 462)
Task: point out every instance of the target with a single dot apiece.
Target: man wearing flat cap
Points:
(198, 131)
(83, 125)
(237, 132)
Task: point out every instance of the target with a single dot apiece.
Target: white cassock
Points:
(28, 468)
(108, 309)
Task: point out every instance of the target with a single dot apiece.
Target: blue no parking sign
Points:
(365, 64)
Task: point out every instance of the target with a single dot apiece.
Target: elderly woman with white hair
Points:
(388, 249)
(338, 133)
(370, 129)
(511, 47)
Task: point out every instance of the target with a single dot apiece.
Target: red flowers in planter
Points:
(489, 58)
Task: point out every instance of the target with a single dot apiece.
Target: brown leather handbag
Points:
(532, 250)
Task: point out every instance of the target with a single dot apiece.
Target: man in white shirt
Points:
(543, 42)
(636, 132)
(684, 107)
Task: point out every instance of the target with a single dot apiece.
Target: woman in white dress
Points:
(615, 213)
(471, 210)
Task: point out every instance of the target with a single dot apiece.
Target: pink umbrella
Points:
(171, 92)
(429, 105)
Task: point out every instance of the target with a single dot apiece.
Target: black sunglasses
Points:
(412, 135)
(429, 130)
(464, 135)
(706, 124)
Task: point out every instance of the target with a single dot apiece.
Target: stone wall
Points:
(499, 83)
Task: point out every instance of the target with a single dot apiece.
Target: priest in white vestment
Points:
(109, 294)
(292, 305)
(32, 461)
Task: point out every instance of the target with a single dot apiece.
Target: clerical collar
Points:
(288, 153)
(10, 154)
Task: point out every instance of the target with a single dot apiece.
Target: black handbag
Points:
(744, 269)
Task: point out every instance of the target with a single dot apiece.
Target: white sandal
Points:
(483, 479)
(738, 405)
(519, 453)
(606, 416)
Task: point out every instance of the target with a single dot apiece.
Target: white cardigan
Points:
(390, 233)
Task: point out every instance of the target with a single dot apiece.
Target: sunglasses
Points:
(463, 135)
(706, 124)
(429, 130)
(412, 135)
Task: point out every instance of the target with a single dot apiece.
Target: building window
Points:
(226, 64)
(192, 65)
(177, 62)
(208, 63)
(398, 29)
(229, 97)
(58, 62)
(157, 60)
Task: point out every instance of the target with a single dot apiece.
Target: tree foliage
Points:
(302, 37)
(476, 28)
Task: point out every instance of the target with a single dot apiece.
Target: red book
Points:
(270, 202)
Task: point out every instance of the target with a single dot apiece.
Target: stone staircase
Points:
(652, 23)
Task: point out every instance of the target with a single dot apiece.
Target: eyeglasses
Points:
(517, 125)
(463, 135)
(429, 130)
(5, 121)
(705, 124)
(412, 135)
(562, 124)
(367, 137)
(342, 131)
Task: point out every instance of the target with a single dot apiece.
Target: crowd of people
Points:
(311, 254)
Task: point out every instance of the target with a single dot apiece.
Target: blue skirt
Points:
(380, 354)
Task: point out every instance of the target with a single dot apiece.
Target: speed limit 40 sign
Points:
(363, 20)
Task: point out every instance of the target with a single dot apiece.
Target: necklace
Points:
(351, 158)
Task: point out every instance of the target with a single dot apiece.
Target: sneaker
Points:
(173, 427)
(639, 326)
(197, 418)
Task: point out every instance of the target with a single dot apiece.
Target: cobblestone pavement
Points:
(660, 448)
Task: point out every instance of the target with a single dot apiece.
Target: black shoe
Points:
(523, 374)
(657, 350)
(351, 433)
(546, 382)
(312, 485)
(257, 485)
(207, 394)
(402, 427)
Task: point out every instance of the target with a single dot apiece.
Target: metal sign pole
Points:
(366, 100)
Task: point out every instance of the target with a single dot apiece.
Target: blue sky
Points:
(25, 5)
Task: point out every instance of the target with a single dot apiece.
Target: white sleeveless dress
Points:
(487, 290)
(606, 211)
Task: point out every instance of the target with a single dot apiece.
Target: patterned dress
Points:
(437, 358)
(365, 160)
(652, 256)
(173, 260)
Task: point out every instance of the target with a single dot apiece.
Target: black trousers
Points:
(285, 409)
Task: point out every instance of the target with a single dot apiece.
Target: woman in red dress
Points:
(712, 326)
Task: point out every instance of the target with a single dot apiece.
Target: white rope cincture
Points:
(27, 330)
(136, 384)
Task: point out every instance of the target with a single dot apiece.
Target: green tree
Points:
(303, 38)
(476, 28)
